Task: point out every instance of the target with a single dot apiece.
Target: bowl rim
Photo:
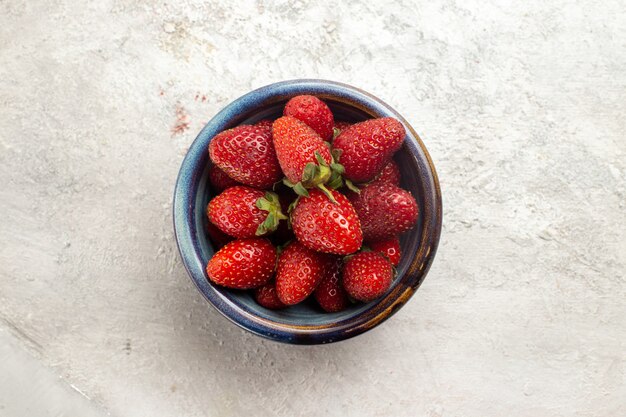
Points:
(380, 310)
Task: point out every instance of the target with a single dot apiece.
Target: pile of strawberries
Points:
(298, 197)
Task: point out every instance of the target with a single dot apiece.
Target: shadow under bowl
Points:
(306, 323)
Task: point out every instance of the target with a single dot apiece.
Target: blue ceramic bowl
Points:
(306, 323)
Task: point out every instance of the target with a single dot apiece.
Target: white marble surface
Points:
(521, 105)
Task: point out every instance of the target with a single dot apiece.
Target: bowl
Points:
(306, 323)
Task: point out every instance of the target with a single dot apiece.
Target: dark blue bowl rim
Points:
(380, 310)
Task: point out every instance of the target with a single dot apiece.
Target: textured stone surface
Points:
(28, 388)
(522, 107)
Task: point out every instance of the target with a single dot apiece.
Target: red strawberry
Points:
(243, 264)
(312, 111)
(384, 211)
(325, 226)
(304, 157)
(243, 212)
(298, 273)
(217, 237)
(390, 174)
(389, 247)
(366, 147)
(330, 294)
(267, 296)
(367, 276)
(220, 180)
(265, 123)
(247, 155)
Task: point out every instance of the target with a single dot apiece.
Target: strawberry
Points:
(267, 297)
(330, 294)
(243, 264)
(384, 211)
(220, 180)
(366, 147)
(298, 273)
(265, 123)
(312, 111)
(325, 226)
(390, 174)
(247, 155)
(244, 212)
(217, 237)
(303, 156)
(367, 276)
(389, 248)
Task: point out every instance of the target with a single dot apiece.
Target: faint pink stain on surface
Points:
(199, 97)
(182, 121)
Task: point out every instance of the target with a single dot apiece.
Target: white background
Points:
(522, 107)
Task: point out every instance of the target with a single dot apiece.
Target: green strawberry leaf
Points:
(336, 179)
(300, 190)
(264, 204)
(288, 183)
(270, 202)
(293, 205)
(336, 154)
(328, 193)
(352, 187)
(337, 168)
(309, 173)
(321, 161)
(335, 182)
(313, 174)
